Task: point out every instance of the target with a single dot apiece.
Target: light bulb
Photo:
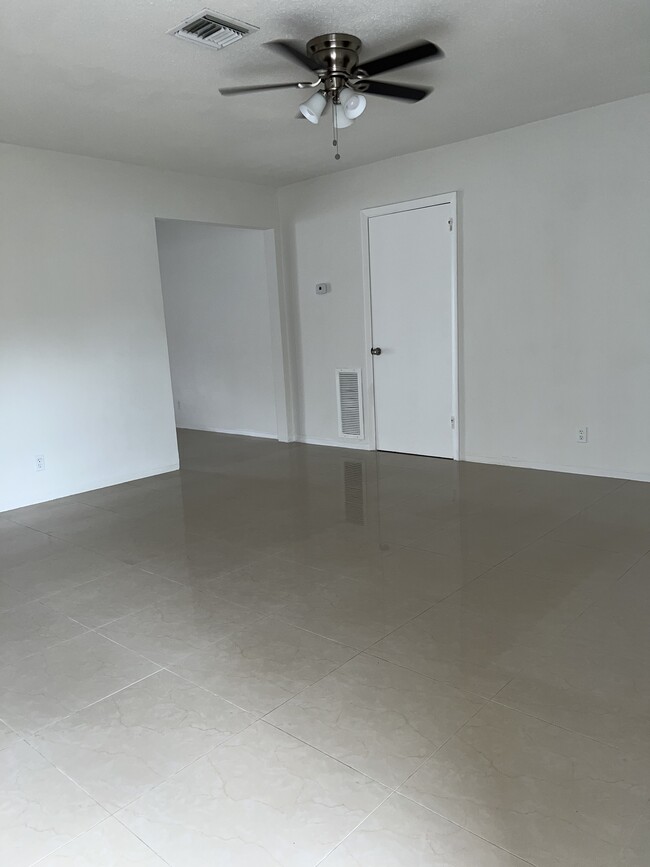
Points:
(313, 107)
(354, 104)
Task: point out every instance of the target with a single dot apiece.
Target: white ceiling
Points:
(103, 78)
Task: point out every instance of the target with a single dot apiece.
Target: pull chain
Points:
(335, 132)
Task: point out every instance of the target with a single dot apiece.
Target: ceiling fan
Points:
(342, 80)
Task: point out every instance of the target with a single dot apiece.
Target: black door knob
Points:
(375, 350)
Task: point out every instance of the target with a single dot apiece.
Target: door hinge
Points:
(450, 221)
(453, 423)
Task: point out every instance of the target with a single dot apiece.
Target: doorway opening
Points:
(223, 321)
(411, 326)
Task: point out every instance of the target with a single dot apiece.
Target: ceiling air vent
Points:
(348, 384)
(215, 31)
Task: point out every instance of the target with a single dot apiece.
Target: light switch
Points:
(322, 288)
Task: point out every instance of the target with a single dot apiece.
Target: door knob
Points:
(375, 350)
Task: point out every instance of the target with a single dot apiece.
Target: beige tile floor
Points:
(290, 656)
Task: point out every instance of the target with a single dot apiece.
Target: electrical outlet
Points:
(40, 463)
(583, 433)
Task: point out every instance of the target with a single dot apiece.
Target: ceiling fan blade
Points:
(411, 54)
(252, 88)
(294, 52)
(396, 91)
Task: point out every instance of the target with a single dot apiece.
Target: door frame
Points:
(369, 388)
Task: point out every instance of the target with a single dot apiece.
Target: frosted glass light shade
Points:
(342, 120)
(354, 104)
(313, 107)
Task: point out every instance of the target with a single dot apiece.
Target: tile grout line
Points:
(352, 831)
(467, 830)
(93, 703)
(323, 752)
(72, 839)
(517, 710)
(396, 791)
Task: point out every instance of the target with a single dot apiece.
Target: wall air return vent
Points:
(211, 29)
(348, 386)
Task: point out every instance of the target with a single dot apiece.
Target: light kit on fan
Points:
(353, 104)
(342, 80)
(346, 106)
(313, 108)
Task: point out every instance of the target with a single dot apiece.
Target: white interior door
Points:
(411, 289)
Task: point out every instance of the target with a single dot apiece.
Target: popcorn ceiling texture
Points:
(105, 79)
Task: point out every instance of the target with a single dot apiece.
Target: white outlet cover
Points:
(583, 435)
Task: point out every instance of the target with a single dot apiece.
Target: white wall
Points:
(216, 301)
(554, 281)
(84, 374)
(554, 286)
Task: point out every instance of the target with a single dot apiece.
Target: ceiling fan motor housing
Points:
(337, 54)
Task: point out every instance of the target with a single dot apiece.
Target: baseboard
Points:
(96, 484)
(627, 475)
(232, 431)
(339, 444)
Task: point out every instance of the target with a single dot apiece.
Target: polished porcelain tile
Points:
(8, 737)
(345, 549)
(550, 796)
(535, 603)
(394, 486)
(410, 520)
(120, 747)
(635, 851)
(563, 559)
(580, 491)
(31, 628)
(54, 515)
(170, 630)
(376, 717)
(11, 598)
(21, 545)
(354, 612)
(127, 539)
(424, 573)
(623, 536)
(486, 547)
(484, 537)
(262, 665)
(271, 530)
(620, 618)
(628, 505)
(401, 833)
(98, 602)
(587, 688)
(108, 844)
(199, 560)
(62, 679)
(270, 584)
(117, 498)
(41, 808)
(476, 634)
(467, 649)
(263, 799)
(68, 568)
